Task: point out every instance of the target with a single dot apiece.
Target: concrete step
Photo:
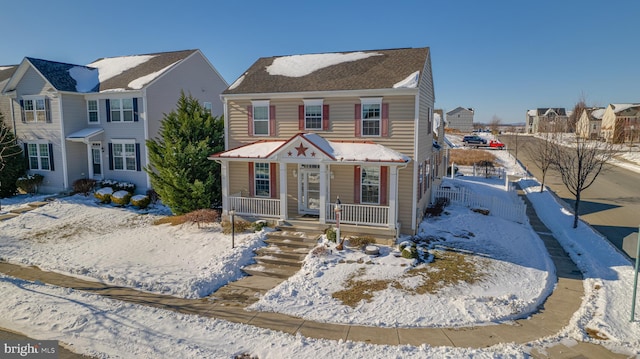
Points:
(292, 243)
(287, 253)
(279, 261)
(22, 210)
(37, 204)
(295, 236)
(6, 216)
(270, 270)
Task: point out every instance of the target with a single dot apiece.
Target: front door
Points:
(309, 189)
(96, 159)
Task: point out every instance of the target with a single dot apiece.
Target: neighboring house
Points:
(92, 121)
(589, 123)
(621, 123)
(303, 130)
(547, 120)
(460, 119)
(5, 102)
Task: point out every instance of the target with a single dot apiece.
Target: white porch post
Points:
(89, 159)
(323, 193)
(224, 176)
(283, 190)
(393, 192)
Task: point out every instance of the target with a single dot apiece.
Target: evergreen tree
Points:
(179, 169)
(12, 163)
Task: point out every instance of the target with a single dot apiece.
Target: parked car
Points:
(474, 140)
(496, 144)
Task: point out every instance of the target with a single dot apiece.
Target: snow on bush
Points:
(121, 198)
(141, 201)
(104, 194)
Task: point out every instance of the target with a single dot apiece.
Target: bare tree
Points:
(495, 123)
(579, 107)
(542, 154)
(8, 149)
(579, 163)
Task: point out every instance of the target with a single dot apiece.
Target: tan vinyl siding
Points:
(405, 197)
(238, 178)
(342, 184)
(292, 189)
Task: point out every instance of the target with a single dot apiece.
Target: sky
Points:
(499, 57)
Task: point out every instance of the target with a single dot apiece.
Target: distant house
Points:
(621, 123)
(305, 130)
(92, 121)
(460, 119)
(547, 120)
(5, 102)
(589, 123)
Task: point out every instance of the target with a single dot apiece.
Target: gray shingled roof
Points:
(6, 72)
(375, 72)
(57, 73)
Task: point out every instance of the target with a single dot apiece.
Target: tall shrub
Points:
(179, 169)
(12, 162)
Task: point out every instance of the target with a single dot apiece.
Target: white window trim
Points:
(34, 98)
(124, 156)
(260, 103)
(370, 101)
(121, 110)
(97, 110)
(255, 179)
(313, 102)
(38, 143)
(362, 168)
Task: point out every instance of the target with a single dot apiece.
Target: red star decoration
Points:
(313, 154)
(289, 153)
(302, 150)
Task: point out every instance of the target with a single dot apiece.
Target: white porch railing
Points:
(266, 207)
(359, 214)
(514, 210)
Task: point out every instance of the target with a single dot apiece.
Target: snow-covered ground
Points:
(77, 237)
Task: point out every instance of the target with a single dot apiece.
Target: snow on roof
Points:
(598, 113)
(85, 133)
(86, 78)
(113, 66)
(618, 107)
(140, 82)
(532, 112)
(236, 83)
(302, 65)
(410, 82)
(259, 149)
(2, 68)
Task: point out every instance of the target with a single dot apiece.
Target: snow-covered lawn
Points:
(77, 237)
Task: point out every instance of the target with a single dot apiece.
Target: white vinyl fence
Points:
(513, 209)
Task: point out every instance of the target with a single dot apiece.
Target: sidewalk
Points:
(554, 315)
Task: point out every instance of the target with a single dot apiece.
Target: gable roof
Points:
(6, 72)
(545, 111)
(358, 70)
(619, 107)
(458, 109)
(105, 74)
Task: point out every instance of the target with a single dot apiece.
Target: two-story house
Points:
(460, 119)
(5, 102)
(589, 123)
(621, 123)
(305, 130)
(547, 120)
(93, 121)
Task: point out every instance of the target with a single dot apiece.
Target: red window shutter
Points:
(325, 117)
(358, 117)
(301, 117)
(250, 120)
(272, 180)
(357, 182)
(384, 200)
(272, 120)
(385, 120)
(252, 180)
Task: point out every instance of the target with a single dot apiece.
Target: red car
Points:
(496, 144)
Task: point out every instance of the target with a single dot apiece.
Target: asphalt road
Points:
(611, 205)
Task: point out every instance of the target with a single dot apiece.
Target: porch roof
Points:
(85, 134)
(314, 147)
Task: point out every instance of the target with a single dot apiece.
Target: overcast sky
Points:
(498, 57)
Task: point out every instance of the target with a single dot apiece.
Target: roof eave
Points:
(333, 93)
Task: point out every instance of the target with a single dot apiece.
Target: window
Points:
(261, 118)
(313, 114)
(207, 107)
(262, 180)
(121, 110)
(371, 116)
(92, 111)
(39, 156)
(370, 185)
(35, 110)
(124, 155)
